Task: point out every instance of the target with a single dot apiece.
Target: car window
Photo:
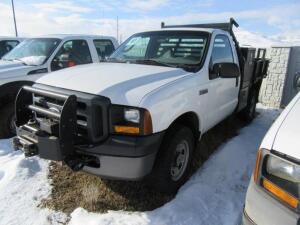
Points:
(6, 46)
(183, 49)
(33, 51)
(189, 49)
(136, 48)
(104, 48)
(12, 43)
(222, 52)
(72, 53)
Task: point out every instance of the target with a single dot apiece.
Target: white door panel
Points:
(225, 90)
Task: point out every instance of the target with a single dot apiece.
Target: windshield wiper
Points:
(115, 60)
(154, 62)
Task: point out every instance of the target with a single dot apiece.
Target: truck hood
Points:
(287, 138)
(9, 69)
(124, 84)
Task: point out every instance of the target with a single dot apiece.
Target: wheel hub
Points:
(181, 156)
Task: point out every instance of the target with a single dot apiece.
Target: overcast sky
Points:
(266, 20)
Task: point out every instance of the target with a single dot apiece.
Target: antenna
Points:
(118, 29)
(13, 9)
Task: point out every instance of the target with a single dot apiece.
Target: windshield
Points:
(168, 48)
(33, 51)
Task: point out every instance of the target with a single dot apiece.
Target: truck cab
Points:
(38, 56)
(139, 114)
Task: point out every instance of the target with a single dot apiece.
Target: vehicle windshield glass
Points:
(33, 51)
(168, 48)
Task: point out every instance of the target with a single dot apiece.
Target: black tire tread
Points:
(5, 113)
(160, 178)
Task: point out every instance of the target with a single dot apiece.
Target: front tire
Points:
(7, 121)
(173, 161)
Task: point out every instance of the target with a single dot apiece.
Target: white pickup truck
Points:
(35, 57)
(139, 114)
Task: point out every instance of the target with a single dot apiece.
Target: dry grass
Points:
(72, 190)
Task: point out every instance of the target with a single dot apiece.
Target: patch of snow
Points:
(214, 195)
(23, 183)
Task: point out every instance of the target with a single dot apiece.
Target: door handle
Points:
(203, 91)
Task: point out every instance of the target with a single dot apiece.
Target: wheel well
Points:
(189, 119)
(9, 91)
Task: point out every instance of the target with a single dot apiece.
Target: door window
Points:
(104, 48)
(72, 53)
(222, 52)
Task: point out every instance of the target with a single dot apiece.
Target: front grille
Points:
(46, 105)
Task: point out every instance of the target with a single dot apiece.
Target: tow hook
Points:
(77, 162)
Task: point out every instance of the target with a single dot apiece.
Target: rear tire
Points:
(173, 161)
(7, 121)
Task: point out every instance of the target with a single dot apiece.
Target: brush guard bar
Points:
(51, 137)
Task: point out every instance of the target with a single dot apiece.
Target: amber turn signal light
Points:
(127, 129)
(281, 194)
(257, 164)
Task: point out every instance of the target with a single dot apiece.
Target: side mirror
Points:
(226, 70)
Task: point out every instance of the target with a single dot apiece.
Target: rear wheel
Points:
(173, 160)
(7, 121)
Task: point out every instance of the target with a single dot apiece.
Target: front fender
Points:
(169, 102)
(25, 78)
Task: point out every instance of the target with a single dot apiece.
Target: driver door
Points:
(225, 90)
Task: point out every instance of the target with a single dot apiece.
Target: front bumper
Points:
(262, 208)
(246, 220)
(124, 157)
(119, 157)
(72, 127)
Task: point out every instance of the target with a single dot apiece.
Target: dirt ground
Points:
(78, 189)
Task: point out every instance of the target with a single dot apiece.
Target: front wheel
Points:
(7, 121)
(173, 160)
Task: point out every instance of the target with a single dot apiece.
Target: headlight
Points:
(132, 115)
(281, 178)
(283, 169)
(130, 120)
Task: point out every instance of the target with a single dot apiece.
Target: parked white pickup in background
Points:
(35, 57)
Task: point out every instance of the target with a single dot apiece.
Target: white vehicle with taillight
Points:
(139, 114)
(35, 57)
(273, 194)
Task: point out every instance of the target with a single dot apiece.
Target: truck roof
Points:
(209, 30)
(64, 36)
(11, 38)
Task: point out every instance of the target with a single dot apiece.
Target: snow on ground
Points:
(214, 195)
(23, 182)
